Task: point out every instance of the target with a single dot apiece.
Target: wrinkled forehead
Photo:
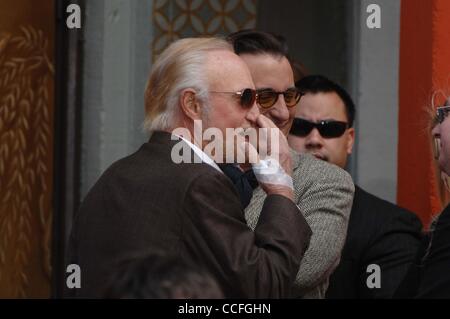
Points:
(321, 106)
(269, 70)
(226, 70)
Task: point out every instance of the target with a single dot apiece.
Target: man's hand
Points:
(272, 143)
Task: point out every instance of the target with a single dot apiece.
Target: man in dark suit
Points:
(151, 200)
(382, 238)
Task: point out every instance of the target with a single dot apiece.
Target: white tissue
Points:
(269, 171)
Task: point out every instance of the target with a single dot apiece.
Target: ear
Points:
(189, 104)
(350, 140)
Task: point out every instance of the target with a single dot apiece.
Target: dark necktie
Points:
(244, 182)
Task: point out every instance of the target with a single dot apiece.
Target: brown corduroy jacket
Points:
(146, 201)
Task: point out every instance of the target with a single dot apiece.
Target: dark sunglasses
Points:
(327, 129)
(441, 113)
(268, 97)
(247, 97)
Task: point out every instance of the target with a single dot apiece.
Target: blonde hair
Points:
(442, 179)
(180, 66)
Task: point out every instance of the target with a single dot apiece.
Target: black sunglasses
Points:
(247, 97)
(328, 129)
(441, 113)
(268, 97)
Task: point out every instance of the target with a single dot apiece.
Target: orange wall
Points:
(424, 68)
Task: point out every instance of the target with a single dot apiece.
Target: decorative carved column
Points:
(26, 146)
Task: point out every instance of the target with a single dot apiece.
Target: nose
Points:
(279, 112)
(253, 113)
(314, 140)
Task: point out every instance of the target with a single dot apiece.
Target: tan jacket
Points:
(324, 193)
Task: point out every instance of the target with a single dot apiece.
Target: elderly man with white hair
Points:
(151, 201)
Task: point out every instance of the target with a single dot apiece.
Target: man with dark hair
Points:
(380, 234)
(323, 192)
(258, 42)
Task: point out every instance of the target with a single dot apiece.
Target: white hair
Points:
(180, 66)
